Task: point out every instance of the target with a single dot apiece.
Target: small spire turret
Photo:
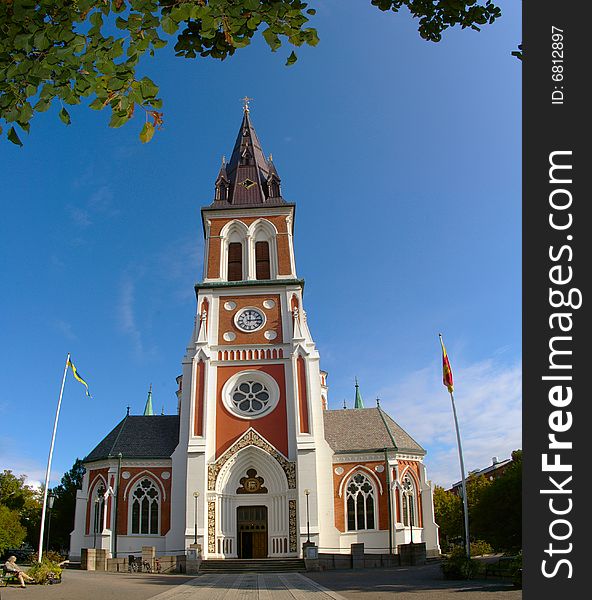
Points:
(148, 410)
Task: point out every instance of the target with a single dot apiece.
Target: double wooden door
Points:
(252, 531)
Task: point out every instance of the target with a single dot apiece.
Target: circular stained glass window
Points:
(250, 397)
(251, 394)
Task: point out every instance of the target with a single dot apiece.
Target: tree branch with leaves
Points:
(68, 51)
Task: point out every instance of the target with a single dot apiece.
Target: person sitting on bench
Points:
(10, 566)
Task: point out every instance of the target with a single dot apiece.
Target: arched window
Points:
(360, 503)
(98, 508)
(235, 261)
(408, 493)
(262, 266)
(145, 508)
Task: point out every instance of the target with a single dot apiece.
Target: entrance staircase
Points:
(252, 565)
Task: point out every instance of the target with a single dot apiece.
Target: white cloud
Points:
(488, 397)
(127, 317)
(65, 329)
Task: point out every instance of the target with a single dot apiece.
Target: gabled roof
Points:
(248, 172)
(154, 436)
(366, 430)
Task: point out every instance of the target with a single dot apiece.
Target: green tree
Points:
(67, 51)
(12, 533)
(62, 520)
(448, 515)
(497, 518)
(24, 501)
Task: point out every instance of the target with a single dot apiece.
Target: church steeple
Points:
(358, 402)
(249, 179)
(148, 410)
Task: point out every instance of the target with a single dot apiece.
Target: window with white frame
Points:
(99, 508)
(360, 503)
(145, 508)
(408, 501)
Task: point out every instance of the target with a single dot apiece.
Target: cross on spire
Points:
(245, 102)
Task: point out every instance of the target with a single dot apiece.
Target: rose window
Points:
(250, 397)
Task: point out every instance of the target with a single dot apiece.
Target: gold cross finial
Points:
(246, 101)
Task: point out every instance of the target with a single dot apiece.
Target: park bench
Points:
(9, 577)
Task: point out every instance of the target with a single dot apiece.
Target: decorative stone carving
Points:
(211, 527)
(292, 525)
(252, 484)
(252, 438)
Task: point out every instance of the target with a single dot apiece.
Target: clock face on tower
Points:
(249, 319)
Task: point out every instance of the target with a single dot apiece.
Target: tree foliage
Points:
(67, 51)
(12, 533)
(62, 521)
(24, 503)
(495, 509)
(497, 518)
(448, 514)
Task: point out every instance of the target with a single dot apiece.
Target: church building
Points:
(254, 463)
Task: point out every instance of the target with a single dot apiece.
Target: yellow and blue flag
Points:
(78, 377)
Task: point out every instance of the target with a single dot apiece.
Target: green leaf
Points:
(118, 119)
(147, 133)
(97, 104)
(169, 26)
(148, 88)
(272, 39)
(291, 59)
(65, 116)
(42, 105)
(13, 137)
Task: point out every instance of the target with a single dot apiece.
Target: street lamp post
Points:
(96, 521)
(307, 494)
(196, 496)
(50, 501)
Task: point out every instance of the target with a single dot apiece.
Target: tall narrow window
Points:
(360, 503)
(235, 261)
(408, 502)
(145, 505)
(262, 268)
(99, 509)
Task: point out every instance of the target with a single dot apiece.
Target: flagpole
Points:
(464, 484)
(55, 427)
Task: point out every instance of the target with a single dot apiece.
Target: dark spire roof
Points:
(248, 173)
(139, 437)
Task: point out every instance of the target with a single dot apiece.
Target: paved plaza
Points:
(414, 583)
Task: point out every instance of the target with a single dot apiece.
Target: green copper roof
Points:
(358, 402)
(148, 411)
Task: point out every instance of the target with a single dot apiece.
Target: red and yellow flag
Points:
(446, 370)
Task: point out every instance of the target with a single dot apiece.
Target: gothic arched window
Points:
(145, 501)
(360, 503)
(98, 508)
(409, 499)
(235, 261)
(262, 265)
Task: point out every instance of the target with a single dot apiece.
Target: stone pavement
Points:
(399, 583)
(250, 586)
(82, 585)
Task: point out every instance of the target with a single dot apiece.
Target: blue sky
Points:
(403, 158)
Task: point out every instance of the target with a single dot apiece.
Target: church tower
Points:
(255, 463)
(252, 470)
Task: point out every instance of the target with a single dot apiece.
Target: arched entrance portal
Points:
(252, 531)
(252, 508)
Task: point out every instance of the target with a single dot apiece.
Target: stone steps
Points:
(253, 565)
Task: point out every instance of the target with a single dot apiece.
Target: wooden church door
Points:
(252, 531)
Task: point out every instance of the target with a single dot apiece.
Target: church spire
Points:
(248, 179)
(148, 411)
(358, 402)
